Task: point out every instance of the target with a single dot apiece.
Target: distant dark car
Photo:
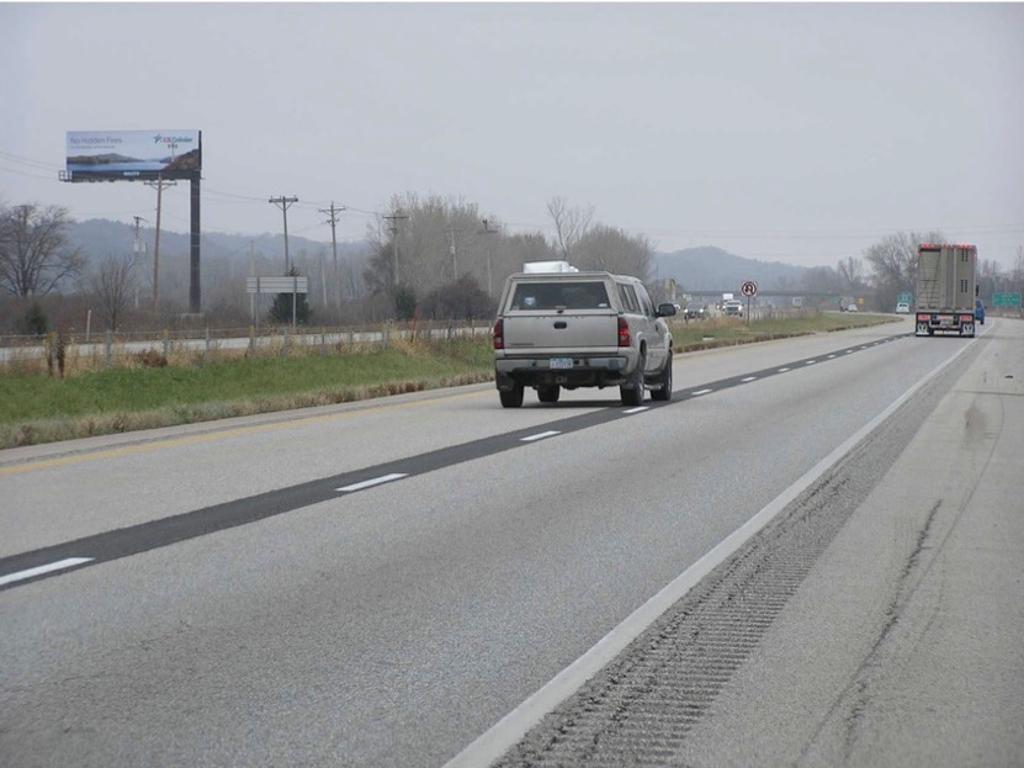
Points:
(979, 311)
(694, 312)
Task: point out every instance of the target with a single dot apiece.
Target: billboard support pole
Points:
(194, 295)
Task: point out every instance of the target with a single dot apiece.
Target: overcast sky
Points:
(797, 133)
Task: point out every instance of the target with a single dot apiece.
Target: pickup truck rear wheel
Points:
(512, 398)
(665, 381)
(632, 393)
(548, 394)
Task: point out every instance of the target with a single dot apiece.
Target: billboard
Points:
(133, 155)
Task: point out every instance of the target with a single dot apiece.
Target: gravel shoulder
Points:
(902, 646)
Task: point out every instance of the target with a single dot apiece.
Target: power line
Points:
(26, 173)
(22, 160)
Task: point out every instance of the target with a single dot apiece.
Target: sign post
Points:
(293, 284)
(749, 289)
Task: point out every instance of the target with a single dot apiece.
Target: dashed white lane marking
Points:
(810, 362)
(749, 378)
(372, 482)
(849, 351)
(540, 436)
(637, 410)
(39, 570)
(782, 370)
(830, 357)
(702, 391)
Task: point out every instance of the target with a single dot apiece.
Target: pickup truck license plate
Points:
(560, 362)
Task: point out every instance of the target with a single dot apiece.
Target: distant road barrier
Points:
(112, 348)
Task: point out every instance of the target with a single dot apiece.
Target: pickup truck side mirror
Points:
(666, 310)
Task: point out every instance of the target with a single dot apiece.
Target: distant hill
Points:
(226, 259)
(708, 268)
(98, 237)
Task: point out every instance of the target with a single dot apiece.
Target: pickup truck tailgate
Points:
(576, 331)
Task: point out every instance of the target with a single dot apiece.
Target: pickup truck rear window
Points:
(534, 296)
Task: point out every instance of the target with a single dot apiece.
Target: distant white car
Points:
(851, 308)
(903, 308)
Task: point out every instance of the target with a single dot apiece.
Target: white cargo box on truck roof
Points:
(548, 267)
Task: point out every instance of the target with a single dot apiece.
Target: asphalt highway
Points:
(380, 583)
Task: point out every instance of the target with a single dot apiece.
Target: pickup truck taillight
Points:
(498, 335)
(624, 338)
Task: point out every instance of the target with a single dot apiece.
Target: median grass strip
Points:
(726, 332)
(36, 408)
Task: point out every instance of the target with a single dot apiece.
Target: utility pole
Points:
(159, 184)
(323, 278)
(332, 219)
(394, 218)
(451, 249)
(284, 203)
(487, 230)
(252, 273)
(138, 247)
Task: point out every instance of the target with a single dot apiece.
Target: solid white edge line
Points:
(638, 410)
(749, 378)
(39, 570)
(702, 391)
(497, 739)
(540, 435)
(372, 482)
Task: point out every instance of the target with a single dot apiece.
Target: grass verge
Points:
(37, 409)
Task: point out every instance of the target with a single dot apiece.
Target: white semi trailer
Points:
(946, 289)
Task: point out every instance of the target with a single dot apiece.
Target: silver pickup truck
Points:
(580, 329)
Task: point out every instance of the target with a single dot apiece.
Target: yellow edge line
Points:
(210, 437)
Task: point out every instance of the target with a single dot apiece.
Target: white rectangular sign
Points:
(299, 284)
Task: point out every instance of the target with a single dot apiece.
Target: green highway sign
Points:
(1007, 300)
(905, 298)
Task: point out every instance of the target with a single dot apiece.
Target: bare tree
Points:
(571, 224)
(35, 256)
(113, 282)
(611, 249)
(851, 270)
(1017, 275)
(893, 262)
